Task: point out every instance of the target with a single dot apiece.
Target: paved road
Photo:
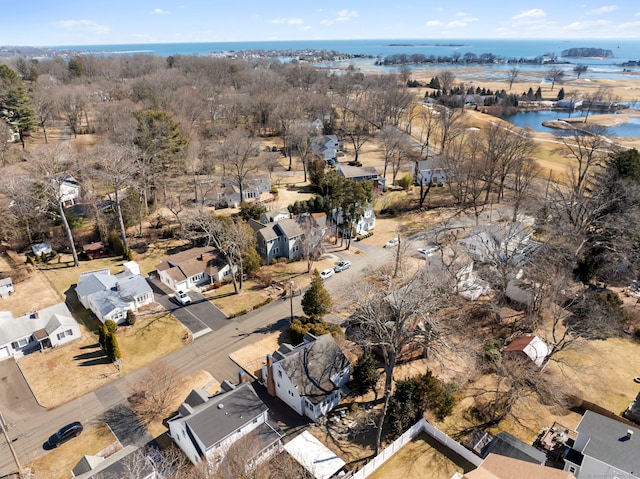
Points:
(32, 425)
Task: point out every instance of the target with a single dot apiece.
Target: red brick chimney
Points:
(271, 384)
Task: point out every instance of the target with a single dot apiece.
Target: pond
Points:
(534, 120)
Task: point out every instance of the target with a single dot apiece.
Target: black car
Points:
(64, 434)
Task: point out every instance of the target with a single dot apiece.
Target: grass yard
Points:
(59, 375)
(251, 358)
(59, 462)
(422, 457)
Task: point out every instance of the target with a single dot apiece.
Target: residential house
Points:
(531, 347)
(254, 190)
(605, 447)
(496, 466)
(46, 328)
(363, 173)
(492, 243)
(94, 250)
(193, 267)
(431, 170)
(69, 189)
(126, 462)
(274, 216)
(207, 426)
(504, 444)
(310, 377)
(453, 265)
(281, 239)
(524, 294)
(112, 296)
(326, 146)
(6, 287)
(366, 222)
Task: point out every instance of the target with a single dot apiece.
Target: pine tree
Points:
(316, 302)
(365, 374)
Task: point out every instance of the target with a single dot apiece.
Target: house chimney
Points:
(271, 384)
(36, 314)
(241, 376)
(118, 287)
(629, 434)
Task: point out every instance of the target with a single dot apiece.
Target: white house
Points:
(253, 190)
(531, 346)
(6, 287)
(281, 239)
(604, 448)
(431, 170)
(366, 222)
(112, 296)
(363, 173)
(326, 146)
(456, 267)
(274, 216)
(492, 243)
(207, 426)
(69, 189)
(193, 267)
(46, 328)
(310, 377)
(122, 463)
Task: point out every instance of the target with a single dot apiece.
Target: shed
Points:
(6, 287)
(314, 456)
(532, 346)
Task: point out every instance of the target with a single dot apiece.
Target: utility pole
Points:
(291, 298)
(9, 443)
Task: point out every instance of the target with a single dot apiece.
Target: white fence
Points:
(421, 426)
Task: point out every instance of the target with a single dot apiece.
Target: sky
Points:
(98, 22)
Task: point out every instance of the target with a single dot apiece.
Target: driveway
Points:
(200, 316)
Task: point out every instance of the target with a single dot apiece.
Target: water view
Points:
(535, 119)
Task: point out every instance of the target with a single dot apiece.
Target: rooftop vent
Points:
(220, 406)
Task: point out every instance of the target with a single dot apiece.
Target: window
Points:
(61, 335)
(279, 373)
(20, 343)
(572, 469)
(68, 332)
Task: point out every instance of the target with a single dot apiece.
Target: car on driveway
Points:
(326, 273)
(64, 434)
(342, 265)
(182, 298)
(392, 242)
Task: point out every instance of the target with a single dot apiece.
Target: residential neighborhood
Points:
(225, 267)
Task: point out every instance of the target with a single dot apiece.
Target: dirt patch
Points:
(58, 463)
(59, 375)
(419, 455)
(33, 293)
(251, 358)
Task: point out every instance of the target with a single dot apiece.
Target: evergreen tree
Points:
(561, 94)
(16, 107)
(102, 336)
(365, 374)
(316, 302)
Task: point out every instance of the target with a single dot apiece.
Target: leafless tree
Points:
(394, 316)
(393, 140)
(51, 166)
(447, 80)
(155, 390)
(512, 74)
(312, 241)
(554, 75)
(72, 102)
(450, 125)
(427, 124)
(238, 153)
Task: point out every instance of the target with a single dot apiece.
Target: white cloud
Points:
(305, 28)
(583, 26)
(86, 26)
(288, 21)
(464, 20)
(434, 23)
(534, 13)
(462, 14)
(159, 11)
(344, 15)
(629, 25)
(602, 10)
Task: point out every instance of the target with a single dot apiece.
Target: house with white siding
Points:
(193, 267)
(112, 296)
(206, 427)
(310, 377)
(46, 328)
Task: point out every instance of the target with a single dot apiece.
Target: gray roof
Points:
(607, 443)
(224, 414)
(101, 286)
(115, 466)
(268, 233)
(132, 286)
(289, 227)
(49, 319)
(312, 365)
(357, 171)
(504, 444)
(95, 283)
(6, 282)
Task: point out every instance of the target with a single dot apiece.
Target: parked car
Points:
(392, 242)
(427, 252)
(342, 265)
(326, 273)
(182, 298)
(64, 434)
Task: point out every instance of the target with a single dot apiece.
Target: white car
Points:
(392, 242)
(427, 252)
(342, 265)
(326, 273)
(182, 297)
